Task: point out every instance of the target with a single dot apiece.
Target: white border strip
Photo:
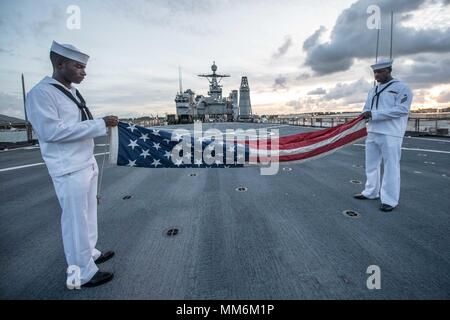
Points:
(113, 144)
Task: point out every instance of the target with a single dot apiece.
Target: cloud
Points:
(420, 96)
(343, 96)
(188, 6)
(318, 91)
(424, 72)
(312, 40)
(186, 16)
(7, 51)
(303, 76)
(281, 51)
(280, 81)
(308, 104)
(352, 92)
(293, 103)
(443, 97)
(350, 38)
(11, 105)
(50, 24)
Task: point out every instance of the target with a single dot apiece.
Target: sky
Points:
(299, 56)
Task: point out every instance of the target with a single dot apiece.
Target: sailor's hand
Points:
(111, 121)
(367, 114)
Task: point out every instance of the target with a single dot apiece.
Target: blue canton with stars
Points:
(142, 147)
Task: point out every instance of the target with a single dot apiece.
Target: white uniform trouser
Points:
(77, 193)
(387, 148)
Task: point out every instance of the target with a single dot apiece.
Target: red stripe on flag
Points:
(308, 138)
(326, 148)
(321, 133)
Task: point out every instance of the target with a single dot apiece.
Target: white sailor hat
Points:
(382, 63)
(69, 51)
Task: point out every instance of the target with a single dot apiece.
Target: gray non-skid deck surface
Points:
(285, 238)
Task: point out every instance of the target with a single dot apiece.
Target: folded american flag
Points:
(135, 146)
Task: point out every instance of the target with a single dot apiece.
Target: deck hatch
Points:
(351, 213)
(171, 232)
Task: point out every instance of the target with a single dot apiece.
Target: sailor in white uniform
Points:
(65, 130)
(387, 109)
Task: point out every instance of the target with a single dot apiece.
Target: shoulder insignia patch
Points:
(404, 99)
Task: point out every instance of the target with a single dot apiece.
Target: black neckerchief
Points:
(85, 113)
(377, 94)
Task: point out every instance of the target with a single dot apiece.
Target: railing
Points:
(426, 126)
(149, 123)
(13, 136)
(416, 124)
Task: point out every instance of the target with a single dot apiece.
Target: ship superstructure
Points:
(213, 107)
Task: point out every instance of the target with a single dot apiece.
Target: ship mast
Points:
(28, 124)
(180, 81)
(215, 90)
(392, 31)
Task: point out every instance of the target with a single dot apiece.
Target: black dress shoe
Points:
(385, 207)
(99, 278)
(104, 257)
(360, 196)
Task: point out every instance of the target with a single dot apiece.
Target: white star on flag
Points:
(178, 162)
(187, 155)
(131, 163)
(177, 147)
(156, 132)
(231, 149)
(133, 143)
(145, 153)
(167, 155)
(201, 139)
(166, 141)
(156, 163)
(132, 127)
(177, 137)
(144, 137)
(198, 162)
(156, 146)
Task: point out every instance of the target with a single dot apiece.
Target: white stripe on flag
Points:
(285, 152)
(113, 144)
